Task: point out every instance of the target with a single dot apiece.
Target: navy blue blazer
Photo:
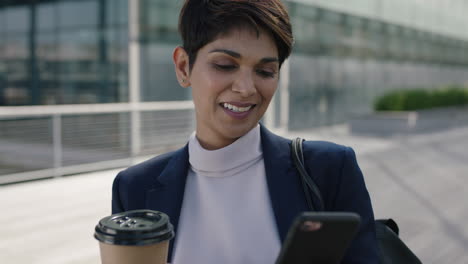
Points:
(159, 183)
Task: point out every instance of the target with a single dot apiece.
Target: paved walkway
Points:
(420, 181)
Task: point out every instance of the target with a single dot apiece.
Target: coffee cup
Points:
(138, 236)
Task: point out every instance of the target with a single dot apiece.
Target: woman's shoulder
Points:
(324, 147)
(321, 145)
(327, 153)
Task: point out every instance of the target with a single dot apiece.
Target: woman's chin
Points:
(237, 131)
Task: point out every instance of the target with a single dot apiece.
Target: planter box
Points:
(407, 122)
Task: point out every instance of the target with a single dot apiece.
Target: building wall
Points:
(342, 62)
(328, 90)
(445, 17)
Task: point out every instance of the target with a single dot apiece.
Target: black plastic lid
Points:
(137, 227)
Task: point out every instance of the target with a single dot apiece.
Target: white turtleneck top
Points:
(226, 213)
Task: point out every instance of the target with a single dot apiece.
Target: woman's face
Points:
(233, 80)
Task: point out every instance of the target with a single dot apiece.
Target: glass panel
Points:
(3, 65)
(354, 36)
(2, 21)
(426, 47)
(17, 19)
(306, 12)
(78, 67)
(330, 17)
(465, 53)
(46, 16)
(159, 27)
(393, 33)
(16, 60)
(117, 41)
(159, 20)
(440, 50)
(375, 38)
(78, 13)
(304, 21)
(159, 82)
(46, 52)
(117, 12)
(331, 32)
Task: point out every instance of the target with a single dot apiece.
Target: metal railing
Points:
(51, 141)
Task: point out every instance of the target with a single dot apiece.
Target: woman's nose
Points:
(244, 85)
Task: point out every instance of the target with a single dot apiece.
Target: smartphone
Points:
(319, 237)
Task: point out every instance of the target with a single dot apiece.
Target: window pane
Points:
(46, 16)
(158, 20)
(2, 21)
(16, 61)
(78, 13)
(3, 69)
(78, 68)
(117, 41)
(304, 20)
(117, 12)
(159, 82)
(46, 52)
(17, 19)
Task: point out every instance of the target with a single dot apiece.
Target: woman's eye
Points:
(225, 67)
(266, 74)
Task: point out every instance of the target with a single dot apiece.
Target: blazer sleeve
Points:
(352, 195)
(117, 206)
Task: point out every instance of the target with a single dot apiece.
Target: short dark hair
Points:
(201, 21)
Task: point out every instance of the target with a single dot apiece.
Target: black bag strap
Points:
(307, 183)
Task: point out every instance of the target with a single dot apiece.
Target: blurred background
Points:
(89, 85)
(92, 81)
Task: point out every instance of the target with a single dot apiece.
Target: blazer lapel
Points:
(168, 192)
(283, 181)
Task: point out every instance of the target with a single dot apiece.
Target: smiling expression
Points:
(233, 81)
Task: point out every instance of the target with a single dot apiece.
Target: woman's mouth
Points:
(238, 111)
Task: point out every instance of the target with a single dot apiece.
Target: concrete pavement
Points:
(419, 180)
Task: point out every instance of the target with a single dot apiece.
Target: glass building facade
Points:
(343, 61)
(63, 52)
(74, 53)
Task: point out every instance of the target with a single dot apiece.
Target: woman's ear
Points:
(181, 63)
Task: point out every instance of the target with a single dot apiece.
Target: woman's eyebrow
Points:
(269, 59)
(237, 55)
(228, 52)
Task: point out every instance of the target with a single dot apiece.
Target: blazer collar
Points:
(284, 186)
(169, 186)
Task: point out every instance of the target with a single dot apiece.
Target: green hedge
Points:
(415, 99)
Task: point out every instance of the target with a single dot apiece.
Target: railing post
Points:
(57, 144)
(134, 76)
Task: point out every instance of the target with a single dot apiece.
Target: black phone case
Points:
(327, 245)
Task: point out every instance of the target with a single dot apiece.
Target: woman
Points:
(232, 192)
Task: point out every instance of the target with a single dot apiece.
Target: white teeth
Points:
(236, 109)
